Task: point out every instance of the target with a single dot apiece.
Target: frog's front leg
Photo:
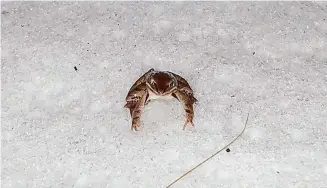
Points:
(135, 102)
(187, 101)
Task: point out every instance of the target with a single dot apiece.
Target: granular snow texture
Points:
(67, 67)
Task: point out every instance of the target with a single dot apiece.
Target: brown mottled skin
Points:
(159, 84)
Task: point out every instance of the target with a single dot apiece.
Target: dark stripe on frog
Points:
(188, 111)
(174, 95)
(146, 98)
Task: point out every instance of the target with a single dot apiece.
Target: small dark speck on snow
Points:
(253, 53)
(233, 96)
(228, 150)
(4, 12)
(75, 68)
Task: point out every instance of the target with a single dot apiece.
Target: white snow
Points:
(66, 128)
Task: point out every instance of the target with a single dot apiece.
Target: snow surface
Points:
(64, 128)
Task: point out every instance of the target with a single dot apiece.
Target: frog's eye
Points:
(172, 84)
(152, 82)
